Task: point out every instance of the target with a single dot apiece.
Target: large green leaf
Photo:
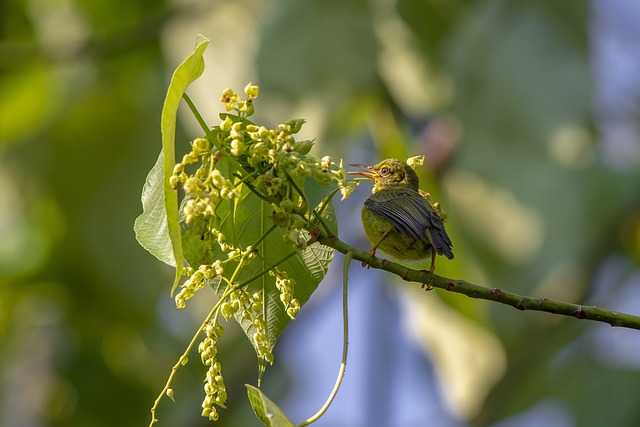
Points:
(250, 220)
(157, 228)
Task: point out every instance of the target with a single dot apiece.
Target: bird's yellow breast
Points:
(395, 244)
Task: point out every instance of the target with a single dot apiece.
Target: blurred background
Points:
(528, 113)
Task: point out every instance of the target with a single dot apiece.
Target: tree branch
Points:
(520, 302)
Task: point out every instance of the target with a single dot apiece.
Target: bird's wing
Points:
(412, 215)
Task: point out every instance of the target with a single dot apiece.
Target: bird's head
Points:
(389, 173)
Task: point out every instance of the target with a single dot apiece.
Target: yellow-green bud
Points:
(415, 161)
(226, 124)
(200, 145)
(202, 173)
(286, 205)
(237, 147)
(283, 129)
(303, 147)
(252, 90)
(297, 222)
(295, 124)
(189, 158)
(227, 310)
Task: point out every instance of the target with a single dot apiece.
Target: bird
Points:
(398, 217)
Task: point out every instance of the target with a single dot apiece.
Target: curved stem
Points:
(259, 194)
(345, 343)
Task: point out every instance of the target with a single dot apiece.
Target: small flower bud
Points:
(251, 90)
(237, 147)
(415, 161)
(200, 145)
(227, 310)
(295, 124)
(286, 205)
(226, 124)
(303, 147)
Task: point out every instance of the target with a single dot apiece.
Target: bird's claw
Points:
(428, 286)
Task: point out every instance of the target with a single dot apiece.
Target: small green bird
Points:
(398, 218)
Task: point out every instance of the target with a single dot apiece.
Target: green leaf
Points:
(315, 192)
(151, 226)
(156, 228)
(266, 411)
(307, 268)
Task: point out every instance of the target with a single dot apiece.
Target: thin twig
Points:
(185, 356)
(318, 213)
(521, 302)
(196, 114)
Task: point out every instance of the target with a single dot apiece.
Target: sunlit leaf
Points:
(266, 411)
(157, 228)
(151, 226)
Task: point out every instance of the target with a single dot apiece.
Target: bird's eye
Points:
(385, 171)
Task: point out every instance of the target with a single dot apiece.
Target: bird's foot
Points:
(428, 286)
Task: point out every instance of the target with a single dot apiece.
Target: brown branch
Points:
(520, 302)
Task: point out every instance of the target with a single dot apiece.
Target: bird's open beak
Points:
(369, 175)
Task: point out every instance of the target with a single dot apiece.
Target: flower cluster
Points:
(205, 188)
(232, 101)
(269, 161)
(196, 281)
(286, 285)
(214, 388)
(250, 307)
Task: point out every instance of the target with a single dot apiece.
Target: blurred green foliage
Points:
(87, 328)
